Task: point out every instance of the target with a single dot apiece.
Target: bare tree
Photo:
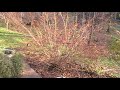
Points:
(70, 28)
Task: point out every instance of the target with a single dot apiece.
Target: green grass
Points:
(107, 65)
(4, 30)
(10, 38)
(114, 47)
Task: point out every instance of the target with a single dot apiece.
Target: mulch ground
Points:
(61, 68)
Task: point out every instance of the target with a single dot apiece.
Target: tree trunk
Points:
(90, 35)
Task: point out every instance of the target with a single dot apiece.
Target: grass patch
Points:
(113, 61)
(10, 38)
(114, 47)
(107, 65)
(5, 31)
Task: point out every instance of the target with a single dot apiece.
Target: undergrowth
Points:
(10, 67)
